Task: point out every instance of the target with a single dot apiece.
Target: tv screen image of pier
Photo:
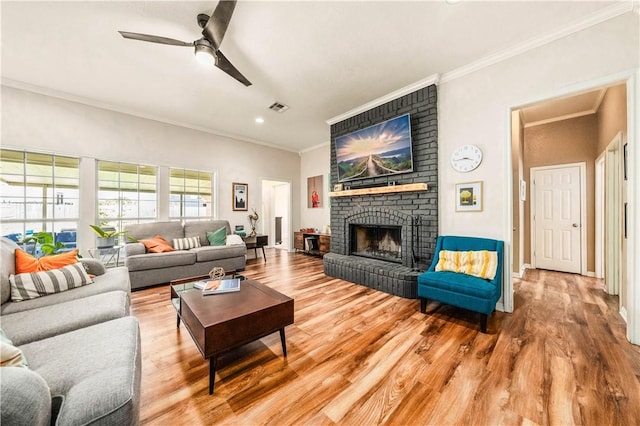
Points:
(378, 150)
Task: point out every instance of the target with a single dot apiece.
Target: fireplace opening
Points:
(377, 242)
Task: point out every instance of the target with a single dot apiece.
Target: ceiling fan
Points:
(207, 48)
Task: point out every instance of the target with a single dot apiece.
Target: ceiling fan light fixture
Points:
(205, 53)
(206, 49)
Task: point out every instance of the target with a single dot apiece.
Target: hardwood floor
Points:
(361, 357)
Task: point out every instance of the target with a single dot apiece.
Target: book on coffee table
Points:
(217, 286)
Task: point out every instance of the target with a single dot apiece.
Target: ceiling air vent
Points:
(278, 107)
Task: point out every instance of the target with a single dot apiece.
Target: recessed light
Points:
(259, 120)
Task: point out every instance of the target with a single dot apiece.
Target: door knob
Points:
(575, 225)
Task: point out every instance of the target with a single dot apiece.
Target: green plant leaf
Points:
(99, 231)
(106, 234)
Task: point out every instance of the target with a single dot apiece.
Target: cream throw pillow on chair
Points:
(482, 263)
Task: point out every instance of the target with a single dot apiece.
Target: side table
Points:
(257, 242)
(110, 256)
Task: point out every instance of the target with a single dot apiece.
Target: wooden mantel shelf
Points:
(380, 190)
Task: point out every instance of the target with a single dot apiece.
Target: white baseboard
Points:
(523, 269)
(623, 314)
(526, 266)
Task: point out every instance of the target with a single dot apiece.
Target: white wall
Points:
(37, 122)
(313, 163)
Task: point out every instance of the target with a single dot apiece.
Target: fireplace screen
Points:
(377, 242)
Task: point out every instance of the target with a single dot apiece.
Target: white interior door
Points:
(557, 218)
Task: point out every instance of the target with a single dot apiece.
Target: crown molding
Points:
(433, 79)
(312, 148)
(16, 84)
(560, 118)
(603, 92)
(595, 18)
(594, 110)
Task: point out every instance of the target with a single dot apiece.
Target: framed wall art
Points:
(315, 191)
(469, 197)
(240, 196)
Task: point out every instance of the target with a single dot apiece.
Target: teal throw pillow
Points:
(217, 238)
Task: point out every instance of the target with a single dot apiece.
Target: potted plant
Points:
(106, 236)
(43, 241)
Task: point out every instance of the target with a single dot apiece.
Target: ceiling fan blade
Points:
(154, 39)
(223, 63)
(218, 22)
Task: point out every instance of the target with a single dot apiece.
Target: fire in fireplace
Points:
(377, 242)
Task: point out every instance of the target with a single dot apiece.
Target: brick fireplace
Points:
(396, 230)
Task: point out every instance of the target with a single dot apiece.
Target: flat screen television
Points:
(379, 150)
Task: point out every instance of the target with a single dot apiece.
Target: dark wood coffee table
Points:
(221, 322)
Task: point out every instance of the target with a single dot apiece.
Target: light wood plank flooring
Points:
(360, 357)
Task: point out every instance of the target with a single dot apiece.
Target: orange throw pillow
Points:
(157, 244)
(27, 263)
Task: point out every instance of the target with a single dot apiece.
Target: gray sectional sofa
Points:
(147, 269)
(82, 349)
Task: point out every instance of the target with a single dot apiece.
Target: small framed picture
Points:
(338, 187)
(469, 197)
(240, 194)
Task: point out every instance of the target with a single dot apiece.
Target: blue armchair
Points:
(462, 290)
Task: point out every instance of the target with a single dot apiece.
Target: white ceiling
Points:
(320, 58)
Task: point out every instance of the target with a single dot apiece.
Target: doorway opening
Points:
(611, 247)
(276, 211)
(573, 128)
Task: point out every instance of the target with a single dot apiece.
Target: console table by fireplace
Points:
(312, 242)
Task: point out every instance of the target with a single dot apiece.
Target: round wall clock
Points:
(466, 158)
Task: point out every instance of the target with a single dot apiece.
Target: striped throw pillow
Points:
(35, 284)
(482, 263)
(186, 243)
